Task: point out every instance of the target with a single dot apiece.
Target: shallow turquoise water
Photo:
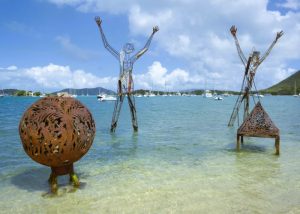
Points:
(182, 160)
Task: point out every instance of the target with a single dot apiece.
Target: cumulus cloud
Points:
(52, 77)
(55, 77)
(198, 33)
(158, 78)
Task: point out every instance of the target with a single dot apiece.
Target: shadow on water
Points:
(37, 180)
(246, 148)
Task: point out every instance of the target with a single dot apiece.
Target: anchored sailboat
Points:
(2, 94)
(295, 90)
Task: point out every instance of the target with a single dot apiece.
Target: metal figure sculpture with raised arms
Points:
(125, 82)
(251, 66)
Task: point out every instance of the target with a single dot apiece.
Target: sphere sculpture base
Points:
(62, 170)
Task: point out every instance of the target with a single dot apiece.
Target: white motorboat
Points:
(259, 95)
(218, 98)
(207, 94)
(105, 97)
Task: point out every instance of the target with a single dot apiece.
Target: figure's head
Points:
(128, 48)
(255, 56)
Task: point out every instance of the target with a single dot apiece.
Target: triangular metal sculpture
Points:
(125, 82)
(251, 66)
(258, 124)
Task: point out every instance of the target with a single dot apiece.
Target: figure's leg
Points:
(117, 109)
(131, 103)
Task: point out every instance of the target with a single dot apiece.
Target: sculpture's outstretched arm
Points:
(106, 45)
(143, 50)
(278, 35)
(233, 31)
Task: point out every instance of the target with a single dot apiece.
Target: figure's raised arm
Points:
(278, 35)
(105, 43)
(233, 31)
(145, 48)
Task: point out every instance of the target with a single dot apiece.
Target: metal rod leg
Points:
(53, 182)
(131, 103)
(277, 145)
(116, 114)
(237, 142)
(117, 109)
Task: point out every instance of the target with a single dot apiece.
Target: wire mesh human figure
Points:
(251, 66)
(125, 82)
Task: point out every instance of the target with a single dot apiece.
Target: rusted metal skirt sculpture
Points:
(258, 124)
(56, 132)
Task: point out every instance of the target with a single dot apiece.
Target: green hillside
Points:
(286, 86)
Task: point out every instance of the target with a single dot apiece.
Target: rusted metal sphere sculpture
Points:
(56, 132)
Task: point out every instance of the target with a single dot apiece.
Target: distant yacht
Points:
(105, 97)
(295, 90)
(2, 94)
(218, 98)
(259, 95)
(151, 95)
(207, 94)
(73, 95)
(226, 94)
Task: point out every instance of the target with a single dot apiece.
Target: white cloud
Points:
(74, 50)
(158, 78)
(52, 77)
(55, 77)
(290, 4)
(198, 33)
(9, 68)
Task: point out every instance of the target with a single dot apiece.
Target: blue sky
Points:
(53, 44)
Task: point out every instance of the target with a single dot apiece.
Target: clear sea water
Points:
(182, 160)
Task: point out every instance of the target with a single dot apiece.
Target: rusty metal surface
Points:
(258, 124)
(57, 131)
